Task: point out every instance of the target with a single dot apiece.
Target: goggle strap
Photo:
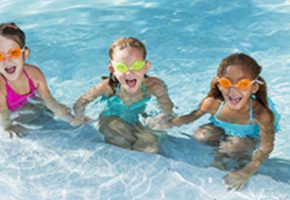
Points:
(258, 81)
(253, 81)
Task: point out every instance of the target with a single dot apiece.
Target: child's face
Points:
(12, 63)
(131, 79)
(235, 97)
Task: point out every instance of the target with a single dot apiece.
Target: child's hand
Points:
(160, 122)
(16, 130)
(76, 122)
(62, 111)
(80, 121)
(236, 179)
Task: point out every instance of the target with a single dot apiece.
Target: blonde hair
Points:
(125, 42)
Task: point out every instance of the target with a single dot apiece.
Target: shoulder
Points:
(33, 72)
(155, 85)
(3, 93)
(105, 87)
(152, 80)
(32, 69)
(36, 75)
(262, 114)
(210, 105)
(2, 85)
(102, 88)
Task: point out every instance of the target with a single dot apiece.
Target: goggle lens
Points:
(136, 66)
(2, 56)
(121, 67)
(242, 84)
(12, 53)
(225, 83)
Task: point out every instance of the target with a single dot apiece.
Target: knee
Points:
(149, 148)
(208, 134)
(118, 141)
(149, 144)
(236, 146)
(113, 123)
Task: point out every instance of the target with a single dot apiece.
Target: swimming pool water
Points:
(186, 40)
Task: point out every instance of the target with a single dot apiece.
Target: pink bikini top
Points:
(15, 100)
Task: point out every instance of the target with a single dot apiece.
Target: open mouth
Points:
(234, 100)
(131, 83)
(10, 70)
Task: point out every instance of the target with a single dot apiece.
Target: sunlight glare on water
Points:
(186, 41)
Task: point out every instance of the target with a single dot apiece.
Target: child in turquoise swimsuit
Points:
(126, 93)
(241, 117)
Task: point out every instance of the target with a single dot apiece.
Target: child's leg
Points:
(33, 113)
(146, 140)
(209, 134)
(238, 148)
(221, 160)
(117, 132)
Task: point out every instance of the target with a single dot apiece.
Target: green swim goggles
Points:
(135, 67)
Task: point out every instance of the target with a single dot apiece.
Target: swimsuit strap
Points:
(4, 78)
(219, 109)
(9, 88)
(143, 88)
(25, 73)
(118, 88)
(251, 110)
(31, 84)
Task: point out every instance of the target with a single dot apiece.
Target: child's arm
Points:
(59, 109)
(237, 179)
(159, 89)
(208, 105)
(7, 126)
(102, 89)
(185, 119)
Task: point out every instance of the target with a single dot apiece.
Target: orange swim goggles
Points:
(12, 53)
(243, 84)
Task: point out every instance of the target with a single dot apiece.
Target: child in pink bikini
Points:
(20, 81)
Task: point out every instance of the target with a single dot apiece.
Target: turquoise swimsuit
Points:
(243, 130)
(116, 107)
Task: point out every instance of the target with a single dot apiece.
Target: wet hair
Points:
(250, 66)
(13, 32)
(125, 42)
(120, 44)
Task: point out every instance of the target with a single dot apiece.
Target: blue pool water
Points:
(186, 40)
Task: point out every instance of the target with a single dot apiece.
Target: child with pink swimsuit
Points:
(20, 82)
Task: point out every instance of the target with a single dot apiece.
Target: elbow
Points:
(79, 103)
(263, 153)
(79, 106)
(175, 122)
